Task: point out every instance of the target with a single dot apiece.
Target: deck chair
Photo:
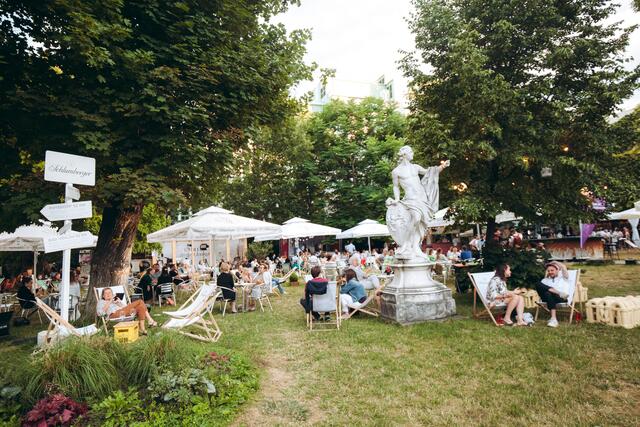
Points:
(286, 276)
(371, 289)
(327, 303)
(59, 328)
(574, 277)
(196, 300)
(117, 289)
(480, 283)
(198, 316)
(260, 293)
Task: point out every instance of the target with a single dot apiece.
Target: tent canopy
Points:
(213, 223)
(633, 213)
(30, 238)
(366, 228)
(297, 228)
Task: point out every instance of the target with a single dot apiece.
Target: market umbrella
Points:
(297, 228)
(212, 223)
(30, 238)
(632, 215)
(367, 228)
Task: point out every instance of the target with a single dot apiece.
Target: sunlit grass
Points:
(457, 372)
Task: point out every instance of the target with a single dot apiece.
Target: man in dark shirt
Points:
(315, 286)
(26, 298)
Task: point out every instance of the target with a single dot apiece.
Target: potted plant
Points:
(293, 279)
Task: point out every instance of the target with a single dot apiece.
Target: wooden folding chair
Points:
(327, 303)
(199, 317)
(116, 289)
(574, 278)
(480, 283)
(59, 328)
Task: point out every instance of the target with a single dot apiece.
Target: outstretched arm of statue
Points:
(445, 164)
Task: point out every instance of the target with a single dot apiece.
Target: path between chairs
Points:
(280, 399)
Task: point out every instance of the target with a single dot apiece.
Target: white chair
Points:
(480, 283)
(199, 315)
(574, 277)
(116, 289)
(203, 294)
(165, 291)
(260, 293)
(59, 328)
(327, 303)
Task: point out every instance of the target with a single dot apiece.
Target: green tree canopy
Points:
(354, 150)
(158, 92)
(507, 88)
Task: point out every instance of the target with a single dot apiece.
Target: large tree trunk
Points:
(111, 260)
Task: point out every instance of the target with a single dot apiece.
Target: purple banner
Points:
(585, 232)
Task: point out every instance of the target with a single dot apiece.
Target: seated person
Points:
(110, 306)
(175, 275)
(226, 283)
(453, 254)
(465, 254)
(352, 293)
(25, 295)
(369, 282)
(316, 286)
(163, 279)
(74, 286)
(497, 292)
(554, 288)
(146, 285)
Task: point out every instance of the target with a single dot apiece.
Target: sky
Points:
(362, 39)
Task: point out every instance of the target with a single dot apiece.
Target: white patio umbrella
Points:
(297, 228)
(367, 228)
(30, 238)
(632, 215)
(212, 223)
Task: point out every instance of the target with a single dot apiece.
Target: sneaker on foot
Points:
(553, 323)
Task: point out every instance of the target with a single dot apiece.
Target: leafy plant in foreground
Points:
(181, 387)
(56, 410)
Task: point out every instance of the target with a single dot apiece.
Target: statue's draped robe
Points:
(427, 204)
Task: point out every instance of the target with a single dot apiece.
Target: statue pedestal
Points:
(413, 296)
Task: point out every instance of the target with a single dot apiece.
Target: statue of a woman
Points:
(408, 218)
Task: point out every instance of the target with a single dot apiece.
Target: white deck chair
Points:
(59, 328)
(480, 283)
(195, 301)
(327, 303)
(199, 317)
(116, 289)
(260, 293)
(574, 277)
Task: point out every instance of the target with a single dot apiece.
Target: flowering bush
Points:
(219, 361)
(55, 410)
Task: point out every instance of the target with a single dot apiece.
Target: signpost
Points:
(68, 169)
(62, 211)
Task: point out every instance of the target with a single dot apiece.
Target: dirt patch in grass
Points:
(280, 400)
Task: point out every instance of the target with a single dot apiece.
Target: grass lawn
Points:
(457, 372)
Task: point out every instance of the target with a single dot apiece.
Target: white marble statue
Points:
(408, 218)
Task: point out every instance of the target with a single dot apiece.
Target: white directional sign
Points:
(71, 240)
(69, 168)
(62, 211)
(71, 192)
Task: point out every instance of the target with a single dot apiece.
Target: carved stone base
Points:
(413, 296)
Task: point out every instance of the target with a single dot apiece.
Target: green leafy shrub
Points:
(78, 368)
(119, 409)
(527, 267)
(9, 402)
(180, 387)
(294, 277)
(259, 250)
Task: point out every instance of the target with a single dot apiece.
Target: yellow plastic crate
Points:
(581, 294)
(126, 332)
(624, 312)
